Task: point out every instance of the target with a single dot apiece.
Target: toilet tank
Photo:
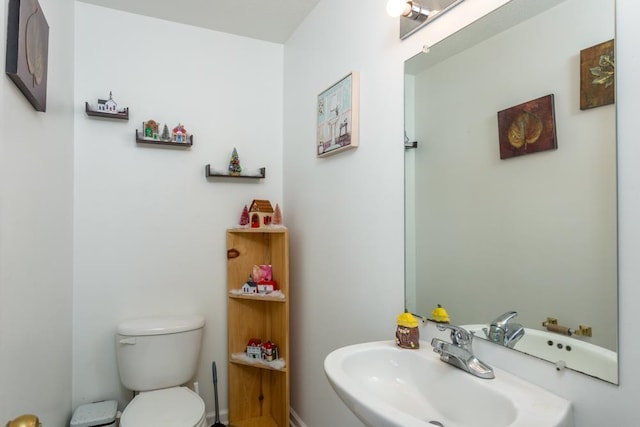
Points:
(158, 352)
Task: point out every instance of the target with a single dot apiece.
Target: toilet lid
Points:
(170, 407)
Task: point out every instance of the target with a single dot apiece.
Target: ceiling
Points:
(269, 20)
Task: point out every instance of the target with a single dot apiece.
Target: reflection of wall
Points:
(536, 234)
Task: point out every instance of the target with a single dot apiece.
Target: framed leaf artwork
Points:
(28, 50)
(597, 75)
(527, 128)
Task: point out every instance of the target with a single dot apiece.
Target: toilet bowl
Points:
(156, 357)
(170, 407)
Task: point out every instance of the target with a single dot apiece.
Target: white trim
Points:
(295, 420)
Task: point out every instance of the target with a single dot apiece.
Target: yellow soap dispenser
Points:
(440, 315)
(407, 332)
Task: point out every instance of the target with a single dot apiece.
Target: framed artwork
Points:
(337, 117)
(597, 75)
(527, 128)
(28, 50)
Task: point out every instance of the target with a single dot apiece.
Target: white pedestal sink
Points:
(386, 386)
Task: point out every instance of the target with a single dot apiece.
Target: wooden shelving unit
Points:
(142, 140)
(209, 173)
(122, 115)
(258, 392)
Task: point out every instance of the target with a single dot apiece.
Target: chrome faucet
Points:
(459, 352)
(503, 331)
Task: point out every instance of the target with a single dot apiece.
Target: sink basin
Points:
(386, 386)
(574, 353)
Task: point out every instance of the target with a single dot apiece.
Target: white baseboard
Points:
(224, 417)
(295, 420)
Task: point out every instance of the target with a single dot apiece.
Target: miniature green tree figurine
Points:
(277, 216)
(244, 218)
(165, 134)
(234, 164)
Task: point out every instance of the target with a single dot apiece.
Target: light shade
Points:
(395, 8)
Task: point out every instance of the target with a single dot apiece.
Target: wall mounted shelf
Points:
(143, 140)
(122, 115)
(209, 173)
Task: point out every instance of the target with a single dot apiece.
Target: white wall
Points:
(347, 231)
(535, 234)
(36, 207)
(149, 228)
(347, 268)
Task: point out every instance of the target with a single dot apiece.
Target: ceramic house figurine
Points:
(407, 332)
(269, 351)
(108, 105)
(150, 129)
(250, 287)
(261, 213)
(179, 133)
(254, 348)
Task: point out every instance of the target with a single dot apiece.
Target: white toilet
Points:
(156, 356)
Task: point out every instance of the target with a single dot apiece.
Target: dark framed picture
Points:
(597, 75)
(337, 117)
(527, 128)
(28, 50)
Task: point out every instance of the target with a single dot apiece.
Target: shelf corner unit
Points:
(209, 173)
(121, 115)
(258, 392)
(142, 140)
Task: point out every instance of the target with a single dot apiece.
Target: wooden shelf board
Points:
(139, 140)
(257, 365)
(209, 174)
(270, 229)
(257, 298)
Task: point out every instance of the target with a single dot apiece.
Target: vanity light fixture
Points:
(408, 9)
(414, 15)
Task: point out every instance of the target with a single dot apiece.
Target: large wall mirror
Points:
(535, 233)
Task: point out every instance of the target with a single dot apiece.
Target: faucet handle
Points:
(459, 335)
(503, 319)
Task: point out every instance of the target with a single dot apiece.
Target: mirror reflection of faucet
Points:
(503, 331)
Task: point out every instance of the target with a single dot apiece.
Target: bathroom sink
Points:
(564, 351)
(386, 386)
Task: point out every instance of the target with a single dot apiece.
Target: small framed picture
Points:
(597, 75)
(337, 117)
